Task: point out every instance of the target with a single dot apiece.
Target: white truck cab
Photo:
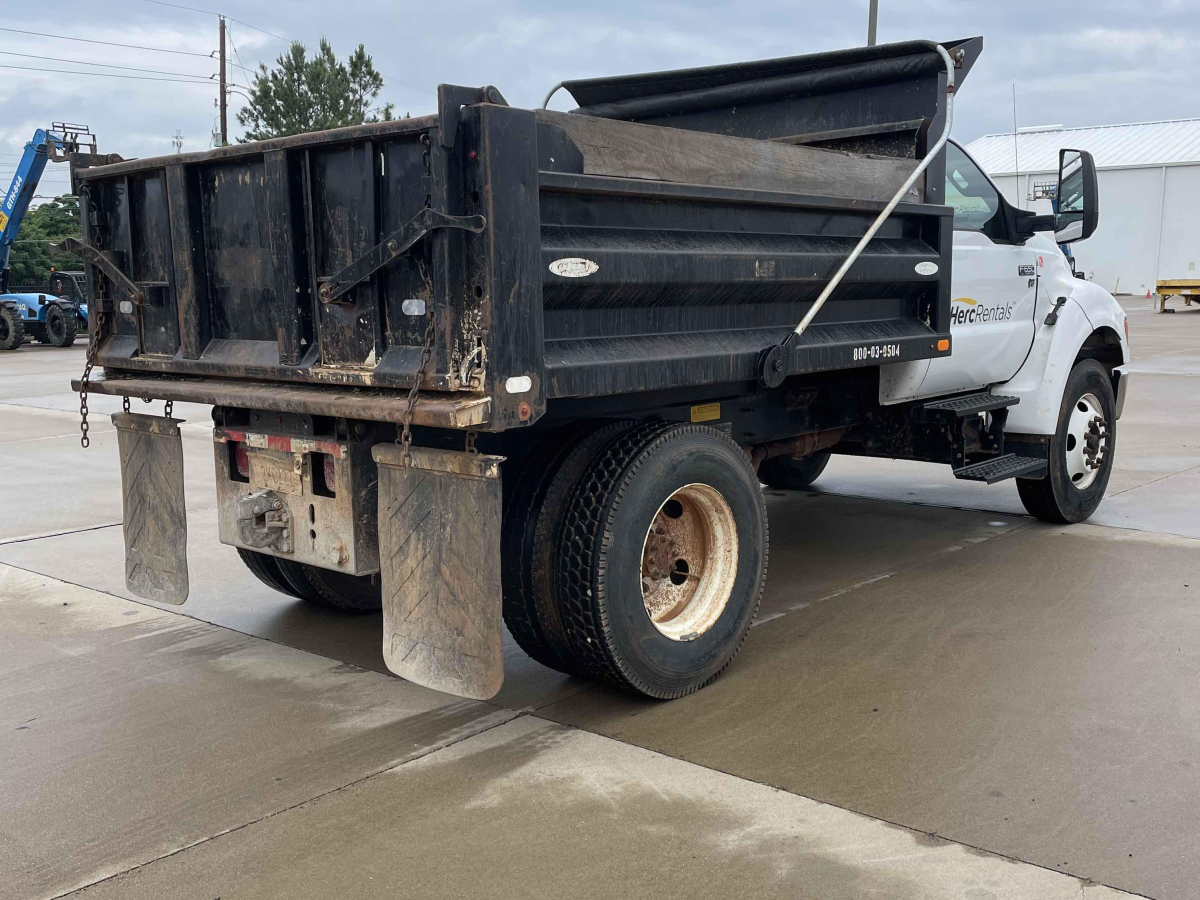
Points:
(1025, 327)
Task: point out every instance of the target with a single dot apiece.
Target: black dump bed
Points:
(661, 236)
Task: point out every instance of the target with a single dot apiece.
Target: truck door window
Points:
(974, 199)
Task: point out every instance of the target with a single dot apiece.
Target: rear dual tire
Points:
(357, 594)
(650, 558)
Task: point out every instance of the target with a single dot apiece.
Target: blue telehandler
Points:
(44, 316)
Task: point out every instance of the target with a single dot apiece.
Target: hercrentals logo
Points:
(971, 313)
(12, 192)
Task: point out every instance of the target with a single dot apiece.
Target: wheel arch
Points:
(1056, 349)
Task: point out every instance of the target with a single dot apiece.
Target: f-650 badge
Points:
(1025, 271)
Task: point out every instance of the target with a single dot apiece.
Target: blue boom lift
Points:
(50, 319)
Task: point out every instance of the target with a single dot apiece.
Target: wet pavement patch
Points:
(1014, 696)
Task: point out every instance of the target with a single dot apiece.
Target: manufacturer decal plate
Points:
(574, 267)
(926, 268)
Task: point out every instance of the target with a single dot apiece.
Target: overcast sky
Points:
(1086, 62)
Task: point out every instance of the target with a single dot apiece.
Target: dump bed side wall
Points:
(690, 281)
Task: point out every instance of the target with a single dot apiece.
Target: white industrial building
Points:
(1149, 176)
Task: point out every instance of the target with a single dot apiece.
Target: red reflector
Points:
(330, 473)
(242, 458)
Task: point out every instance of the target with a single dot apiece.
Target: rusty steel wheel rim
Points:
(689, 562)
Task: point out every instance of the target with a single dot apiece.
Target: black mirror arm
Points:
(1040, 223)
(1024, 223)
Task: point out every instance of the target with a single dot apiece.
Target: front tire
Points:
(793, 474)
(12, 329)
(662, 559)
(1082, 450)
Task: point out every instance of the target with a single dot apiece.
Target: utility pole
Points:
(224, 98)
(872, 22)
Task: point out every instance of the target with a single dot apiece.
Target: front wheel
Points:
(662, 559)
(12, 329)
(1081, 450)
(793, 474)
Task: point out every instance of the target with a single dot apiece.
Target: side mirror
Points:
(1078, 195)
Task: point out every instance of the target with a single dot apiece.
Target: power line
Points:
(105, 75)
(238, 56)
(63, 37)
(84, 62)
(207, 82)
(277, 37)
(209, 12)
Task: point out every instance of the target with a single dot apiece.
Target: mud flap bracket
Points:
(155, 519)
(439, 558)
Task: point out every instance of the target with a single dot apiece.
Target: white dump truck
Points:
(523, 366)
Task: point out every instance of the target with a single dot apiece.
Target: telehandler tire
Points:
(60, 328)
(662, 559)
(12, 329)
(790, 474)
(1081, 450)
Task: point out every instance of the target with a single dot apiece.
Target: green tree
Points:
(32, 255)
(302, 94)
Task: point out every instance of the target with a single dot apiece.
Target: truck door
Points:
(993, 288)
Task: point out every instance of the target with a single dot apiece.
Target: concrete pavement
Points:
(940, 699)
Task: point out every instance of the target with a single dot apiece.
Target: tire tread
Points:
(582, 556)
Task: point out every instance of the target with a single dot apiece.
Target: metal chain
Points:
(405, 439)
(93, 344)
(469, 443)
(125, 404)
(168, 408)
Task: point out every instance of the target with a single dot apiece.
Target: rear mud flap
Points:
(155, 519)
(439, 558)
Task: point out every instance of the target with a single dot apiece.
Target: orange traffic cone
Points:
(1147, 293)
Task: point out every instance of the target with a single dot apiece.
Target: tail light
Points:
(330, 474)
(241, 459)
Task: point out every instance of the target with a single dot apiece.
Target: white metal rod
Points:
(553, 91)
(887, 210)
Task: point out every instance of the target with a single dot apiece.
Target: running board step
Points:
(1002, 467)
(971, 404)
